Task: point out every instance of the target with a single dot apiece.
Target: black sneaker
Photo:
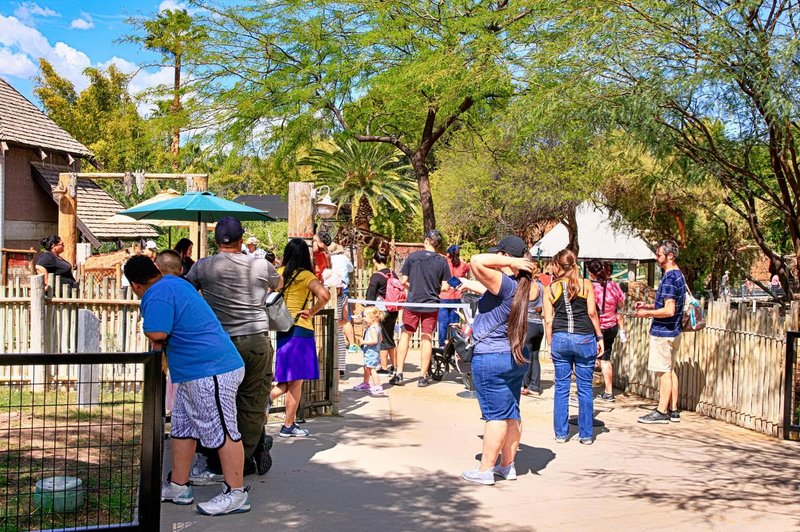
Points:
(262, 457)
(383, 371)
(675, 416)
(423, 382)
(397, 379)
(654, 417)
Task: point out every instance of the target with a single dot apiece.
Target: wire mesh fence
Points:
(83, 454)
(791, 414)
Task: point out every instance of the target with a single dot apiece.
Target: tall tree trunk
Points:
(571, 223)
(422, 173)
(176, 109)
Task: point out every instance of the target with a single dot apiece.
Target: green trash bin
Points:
(59, 494)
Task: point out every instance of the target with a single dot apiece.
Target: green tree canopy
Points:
(404, 73)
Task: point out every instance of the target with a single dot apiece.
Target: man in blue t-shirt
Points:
(207, 368)
(665, 333)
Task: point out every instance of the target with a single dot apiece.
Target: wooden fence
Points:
(55, 330)
(732, 370)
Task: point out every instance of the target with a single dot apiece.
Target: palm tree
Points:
(364, 174)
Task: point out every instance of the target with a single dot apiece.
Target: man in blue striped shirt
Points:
(665, 332)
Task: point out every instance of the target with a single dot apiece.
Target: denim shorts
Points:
(498, 382)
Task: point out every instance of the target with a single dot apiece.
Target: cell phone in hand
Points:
(455, 282)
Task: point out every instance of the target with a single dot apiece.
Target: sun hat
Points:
(252, 240)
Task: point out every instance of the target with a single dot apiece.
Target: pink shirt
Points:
(455, 271)
(614, 297)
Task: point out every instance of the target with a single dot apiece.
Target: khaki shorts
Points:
(662, 353)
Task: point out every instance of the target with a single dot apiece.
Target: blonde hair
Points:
(568, 264)
(373, 314)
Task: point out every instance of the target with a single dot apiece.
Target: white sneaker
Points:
(376, 390)
(480, 477)
(228, 502)
(200, 475)
(176, 493)
(508, 472)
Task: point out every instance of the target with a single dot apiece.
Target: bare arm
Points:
(321, 297)
(487, 267)
(591, 308)
(371, 339)
(157, 338)
(647, 311)
(547, 315)
(472, 286)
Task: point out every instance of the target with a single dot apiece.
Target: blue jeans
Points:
(446, 317)
(573, 352)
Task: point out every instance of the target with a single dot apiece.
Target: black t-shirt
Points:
(426, 271)
(55, 264)
(377, 284)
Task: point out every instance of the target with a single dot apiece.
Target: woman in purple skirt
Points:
(296, 357)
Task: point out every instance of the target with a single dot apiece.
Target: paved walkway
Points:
(394, 463)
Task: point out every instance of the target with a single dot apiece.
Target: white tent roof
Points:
(597, 239)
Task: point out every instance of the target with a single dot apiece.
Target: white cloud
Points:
(26, 12)
(16, 64)
(19, 38)
(171, 5)
(85, 22)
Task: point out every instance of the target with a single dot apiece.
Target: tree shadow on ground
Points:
(304, 492)
(708, 472)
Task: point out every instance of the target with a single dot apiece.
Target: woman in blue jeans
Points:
(499, 363)
(573, 332)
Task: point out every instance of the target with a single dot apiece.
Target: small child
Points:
(371, 345)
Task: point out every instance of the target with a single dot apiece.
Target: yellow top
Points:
(298, 296)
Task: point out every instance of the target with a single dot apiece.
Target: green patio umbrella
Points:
(200, 207)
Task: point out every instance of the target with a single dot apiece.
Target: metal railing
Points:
(791, 398)
(84, 455)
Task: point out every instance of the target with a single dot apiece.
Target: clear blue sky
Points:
(72, 35)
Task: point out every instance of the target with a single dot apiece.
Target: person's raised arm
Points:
(487, 268)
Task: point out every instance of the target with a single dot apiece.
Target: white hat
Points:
(151, 245)
(252, 240)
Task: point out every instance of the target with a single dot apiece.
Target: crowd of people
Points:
(210, 319)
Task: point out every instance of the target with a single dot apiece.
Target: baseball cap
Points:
(511, 244)
(228, 230)
(252, 240)
(150, 245)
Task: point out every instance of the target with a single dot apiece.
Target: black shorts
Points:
(387, 328)
(608, 341)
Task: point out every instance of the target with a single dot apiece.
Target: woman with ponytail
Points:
(573, 332)
(609, 298)
(499, 359)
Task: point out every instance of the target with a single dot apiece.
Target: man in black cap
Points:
(425, 272)
(235, 286)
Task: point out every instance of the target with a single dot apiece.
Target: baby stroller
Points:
(444, 359)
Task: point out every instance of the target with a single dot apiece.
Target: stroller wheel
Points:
(437, 367)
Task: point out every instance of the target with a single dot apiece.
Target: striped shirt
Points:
(673, 286)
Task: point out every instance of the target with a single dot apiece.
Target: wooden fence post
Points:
(88, 374)
(37, 327)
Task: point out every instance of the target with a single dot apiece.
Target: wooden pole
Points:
(301, 210)
(68, 219)
(200, 248)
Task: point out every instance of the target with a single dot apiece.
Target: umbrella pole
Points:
(169, 238)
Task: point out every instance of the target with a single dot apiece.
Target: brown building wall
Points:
(30, 214)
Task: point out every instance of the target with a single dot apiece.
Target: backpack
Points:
(395, 291)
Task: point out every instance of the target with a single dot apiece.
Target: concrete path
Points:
(393, 464)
